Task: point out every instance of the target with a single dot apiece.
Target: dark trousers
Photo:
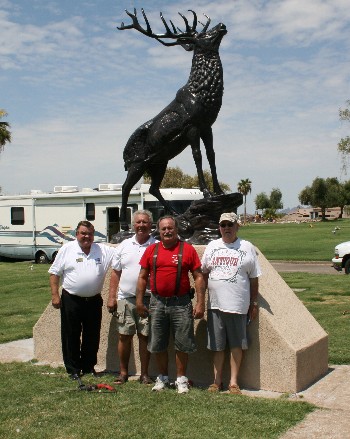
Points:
(80, 331)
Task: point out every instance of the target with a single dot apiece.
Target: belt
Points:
(174, 300)
(86, 299)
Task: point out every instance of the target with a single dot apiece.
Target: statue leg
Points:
(197, 157)
(156, 173)
(135, 172)
(207, 137)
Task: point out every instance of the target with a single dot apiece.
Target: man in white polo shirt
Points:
(123, 282)
(82, 266)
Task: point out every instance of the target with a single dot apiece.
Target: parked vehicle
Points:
(341, 260)
(34, 226)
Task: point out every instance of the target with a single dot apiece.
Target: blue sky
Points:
(75, 88)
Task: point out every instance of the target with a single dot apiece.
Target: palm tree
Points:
(5, 135)
(245, 187)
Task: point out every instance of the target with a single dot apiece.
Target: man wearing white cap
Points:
(231, 270)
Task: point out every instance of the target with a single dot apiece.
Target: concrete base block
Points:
(288, 349)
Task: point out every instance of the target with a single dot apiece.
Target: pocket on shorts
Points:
(121, 310)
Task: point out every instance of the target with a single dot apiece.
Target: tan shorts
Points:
(128, 321)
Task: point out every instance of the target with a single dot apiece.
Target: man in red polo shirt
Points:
(171, 306)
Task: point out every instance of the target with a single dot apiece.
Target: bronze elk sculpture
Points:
(187, 119)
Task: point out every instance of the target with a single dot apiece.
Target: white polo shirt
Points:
(126, 259)
(82, 275)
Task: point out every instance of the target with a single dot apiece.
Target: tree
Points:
(262, 201)
(344, 143)
(276, 199)
(245, 187)
(209, 181)
(175, 177)
(325, 193)
(5, 134)
(272, 202)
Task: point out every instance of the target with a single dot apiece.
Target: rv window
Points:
(90, 211)
(17, 216)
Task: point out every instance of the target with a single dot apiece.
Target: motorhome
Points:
(34, 226)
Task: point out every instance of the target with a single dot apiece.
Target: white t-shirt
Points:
(126, 260)
(82, 275)
(230, 266)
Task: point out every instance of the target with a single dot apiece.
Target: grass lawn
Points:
(327, 298)
(24, 294)
(297, 242)
(39, 402)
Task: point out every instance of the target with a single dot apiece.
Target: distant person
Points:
(167, 264)
(231, 270)
(126, 269)
(81, 265)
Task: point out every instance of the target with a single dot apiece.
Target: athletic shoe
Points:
(182, 385)
(161, 383)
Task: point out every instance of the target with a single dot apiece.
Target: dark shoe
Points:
(74, 376)
(145, 379)
(121, 379)
(90, 372)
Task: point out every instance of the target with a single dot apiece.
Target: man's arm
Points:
(254, 290)
(140, 291)
(198, 311)
(113, 288)
(55, 295)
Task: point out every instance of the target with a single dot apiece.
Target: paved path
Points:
(308, 267)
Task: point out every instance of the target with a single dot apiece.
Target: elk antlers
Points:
(175, 33)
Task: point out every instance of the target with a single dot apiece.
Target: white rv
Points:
(34, 226)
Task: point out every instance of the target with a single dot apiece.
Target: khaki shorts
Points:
(128, 321)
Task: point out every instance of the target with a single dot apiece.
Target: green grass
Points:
(327, 298)
(24, 294)
(297, 242)
(39, 402)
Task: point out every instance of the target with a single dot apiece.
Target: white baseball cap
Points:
(229, 216)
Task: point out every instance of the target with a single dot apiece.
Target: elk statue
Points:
(187, 119)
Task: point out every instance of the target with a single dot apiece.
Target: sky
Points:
(75, 88)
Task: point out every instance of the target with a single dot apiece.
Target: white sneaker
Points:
(182, 385)
(161, 383)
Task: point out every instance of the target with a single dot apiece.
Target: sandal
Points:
(215, 388)
(234, 389)
(121, 379)
(145, 379)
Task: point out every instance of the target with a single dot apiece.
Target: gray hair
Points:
(176, 222)
(142, 212)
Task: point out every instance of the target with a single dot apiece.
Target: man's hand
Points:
(198, 311)
(253, 311)
(112, 304)
(56, 301)
(141, 309)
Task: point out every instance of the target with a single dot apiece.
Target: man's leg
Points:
(218, 361)
(181, 359)
(124, 351)
(162, 362)
(92, 317)
(144, 354)
(235, 363)
(70, 333)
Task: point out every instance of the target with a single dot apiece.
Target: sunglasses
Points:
(226, 224)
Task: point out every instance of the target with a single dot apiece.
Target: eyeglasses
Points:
(223, 225)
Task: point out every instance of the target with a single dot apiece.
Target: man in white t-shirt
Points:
(231, 270)
(126, 269)
(82, 266)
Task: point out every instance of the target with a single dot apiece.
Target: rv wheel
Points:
(41, 258)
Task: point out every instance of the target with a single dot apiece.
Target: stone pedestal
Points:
(288, 348)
